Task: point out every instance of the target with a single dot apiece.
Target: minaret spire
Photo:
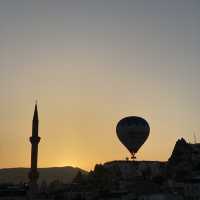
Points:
(34, 139)
(35, 111)
(35, 122)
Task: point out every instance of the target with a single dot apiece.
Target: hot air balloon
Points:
(132, 132)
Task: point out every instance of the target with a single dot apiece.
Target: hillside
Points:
(185, 160)
(16, 175)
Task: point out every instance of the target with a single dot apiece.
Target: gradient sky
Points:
(90, 63)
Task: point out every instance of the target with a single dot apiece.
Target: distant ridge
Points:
(17, 175)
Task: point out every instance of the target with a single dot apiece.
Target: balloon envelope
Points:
(132, 132)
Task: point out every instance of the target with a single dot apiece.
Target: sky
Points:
(90, 63)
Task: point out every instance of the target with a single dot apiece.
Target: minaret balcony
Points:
(34, 139)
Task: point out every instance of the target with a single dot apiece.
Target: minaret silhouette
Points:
(34, 139)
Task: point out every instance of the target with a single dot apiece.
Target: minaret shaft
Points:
(34, 152)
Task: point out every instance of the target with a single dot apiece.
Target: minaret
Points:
(34, 139)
